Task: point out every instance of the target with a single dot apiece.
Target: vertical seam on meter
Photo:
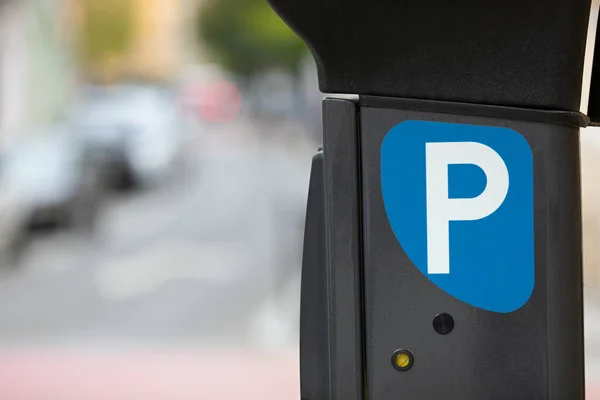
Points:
(329, 262)
(361, 260)
(579, 219)
(540, 179)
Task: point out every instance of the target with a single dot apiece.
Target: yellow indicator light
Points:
(402, 360)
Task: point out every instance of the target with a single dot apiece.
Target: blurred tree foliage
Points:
(246, 36)
(107, 30)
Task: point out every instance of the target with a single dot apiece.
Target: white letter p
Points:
(441, 209)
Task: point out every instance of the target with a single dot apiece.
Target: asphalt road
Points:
(212, 257)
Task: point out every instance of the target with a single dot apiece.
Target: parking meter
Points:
(442, 252)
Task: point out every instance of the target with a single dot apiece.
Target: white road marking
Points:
(145, 271)
(275, 326)
(54, 255)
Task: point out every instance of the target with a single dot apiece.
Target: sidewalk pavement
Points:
(185, 374)
(592, 349)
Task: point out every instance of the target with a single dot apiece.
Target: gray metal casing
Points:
(380, 302)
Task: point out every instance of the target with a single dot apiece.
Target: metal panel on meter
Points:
(451, 204)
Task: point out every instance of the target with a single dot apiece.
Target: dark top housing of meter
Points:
(520, 53)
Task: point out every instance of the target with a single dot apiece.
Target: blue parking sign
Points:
(459, 199)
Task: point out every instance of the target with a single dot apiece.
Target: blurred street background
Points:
(154, 165)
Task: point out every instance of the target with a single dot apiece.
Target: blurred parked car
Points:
(133, 132)
(54, 181)
(275, 95)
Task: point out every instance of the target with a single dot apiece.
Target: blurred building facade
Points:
(590, 164)
(157, 50)
(36, 67)
(160, 38)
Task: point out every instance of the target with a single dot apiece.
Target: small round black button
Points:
(443, 324)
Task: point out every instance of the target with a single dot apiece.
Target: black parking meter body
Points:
(495, 310)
